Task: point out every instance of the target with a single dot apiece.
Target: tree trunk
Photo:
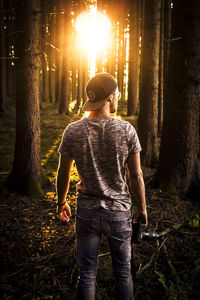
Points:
(120, 73)
(65, 90)
(142, 12)
(80, 81)
(100, 5)
(25, 174)
(3, 55)
(80, 56)
(59, 57)
(74, 65)
(167, 38)
(133, 59)
(52, 70)
(148, 117)
(111, 63)
(179, 164)
(45, 58)
(75, 53)
(161, 72)
(85, 73)
(99, 62)
(113, 11)
(10, 46)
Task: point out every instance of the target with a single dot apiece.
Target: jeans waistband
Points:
(100, 209)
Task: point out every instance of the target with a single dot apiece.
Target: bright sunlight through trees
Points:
(94, 32)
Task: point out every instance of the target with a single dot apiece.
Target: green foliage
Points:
(54, 124)
(172, 191)
(34, 189)
(194, 223)
(174, 194)
(162, 280)
(74, 178)
(45, 179)
(173, 291)
(122, 107)
(131, 119)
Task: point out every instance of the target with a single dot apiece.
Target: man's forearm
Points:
(138, 190)
(63, 177)
(62, 187)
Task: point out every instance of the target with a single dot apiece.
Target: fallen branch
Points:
(104, 254)
(42, 260)
(15, 273)
(140, 270)
(176, 226)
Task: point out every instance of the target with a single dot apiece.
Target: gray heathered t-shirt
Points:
(100, 149)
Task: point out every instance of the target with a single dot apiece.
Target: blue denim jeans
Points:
(117, 226)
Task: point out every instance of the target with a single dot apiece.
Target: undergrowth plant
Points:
(173, 291)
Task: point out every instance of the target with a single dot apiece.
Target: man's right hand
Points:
(140, 216)
(64, 212)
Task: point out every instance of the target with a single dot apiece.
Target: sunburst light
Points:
(94, 29)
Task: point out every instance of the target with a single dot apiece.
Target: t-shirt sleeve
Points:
(66, 143)
(133, 140)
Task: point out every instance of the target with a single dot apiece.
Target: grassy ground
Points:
(38, 258)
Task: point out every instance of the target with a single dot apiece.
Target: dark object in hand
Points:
(140, 234)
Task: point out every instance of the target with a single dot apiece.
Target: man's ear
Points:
(110, 98)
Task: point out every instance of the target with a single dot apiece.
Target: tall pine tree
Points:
(179, 165)
(26, 171)
(148, 116)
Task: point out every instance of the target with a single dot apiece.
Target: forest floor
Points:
(38, 257)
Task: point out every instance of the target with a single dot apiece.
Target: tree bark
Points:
(99, 62)
(111, 63)
(52, 69)
(74, 66)
(45, 58)
(133, 59)
(161, 72)
(120, 73)
(142, 12)
(179, 155)
(80, 56)
(59, 42)
(85, 73)
(10, 48)
(25, 174)
(112, 12)
(75, 54)
(100, 5)
(148, 116)
(80, 81)
(167, 37)
(65, 90)
(3, 63)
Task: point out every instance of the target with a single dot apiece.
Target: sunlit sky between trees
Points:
(97, 37)
(94, 30)
(95, 34)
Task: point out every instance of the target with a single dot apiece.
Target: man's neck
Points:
(100, 114)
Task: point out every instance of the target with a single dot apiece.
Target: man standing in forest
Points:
(101, 147)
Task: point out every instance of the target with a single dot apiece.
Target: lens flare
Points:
(93, 29)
